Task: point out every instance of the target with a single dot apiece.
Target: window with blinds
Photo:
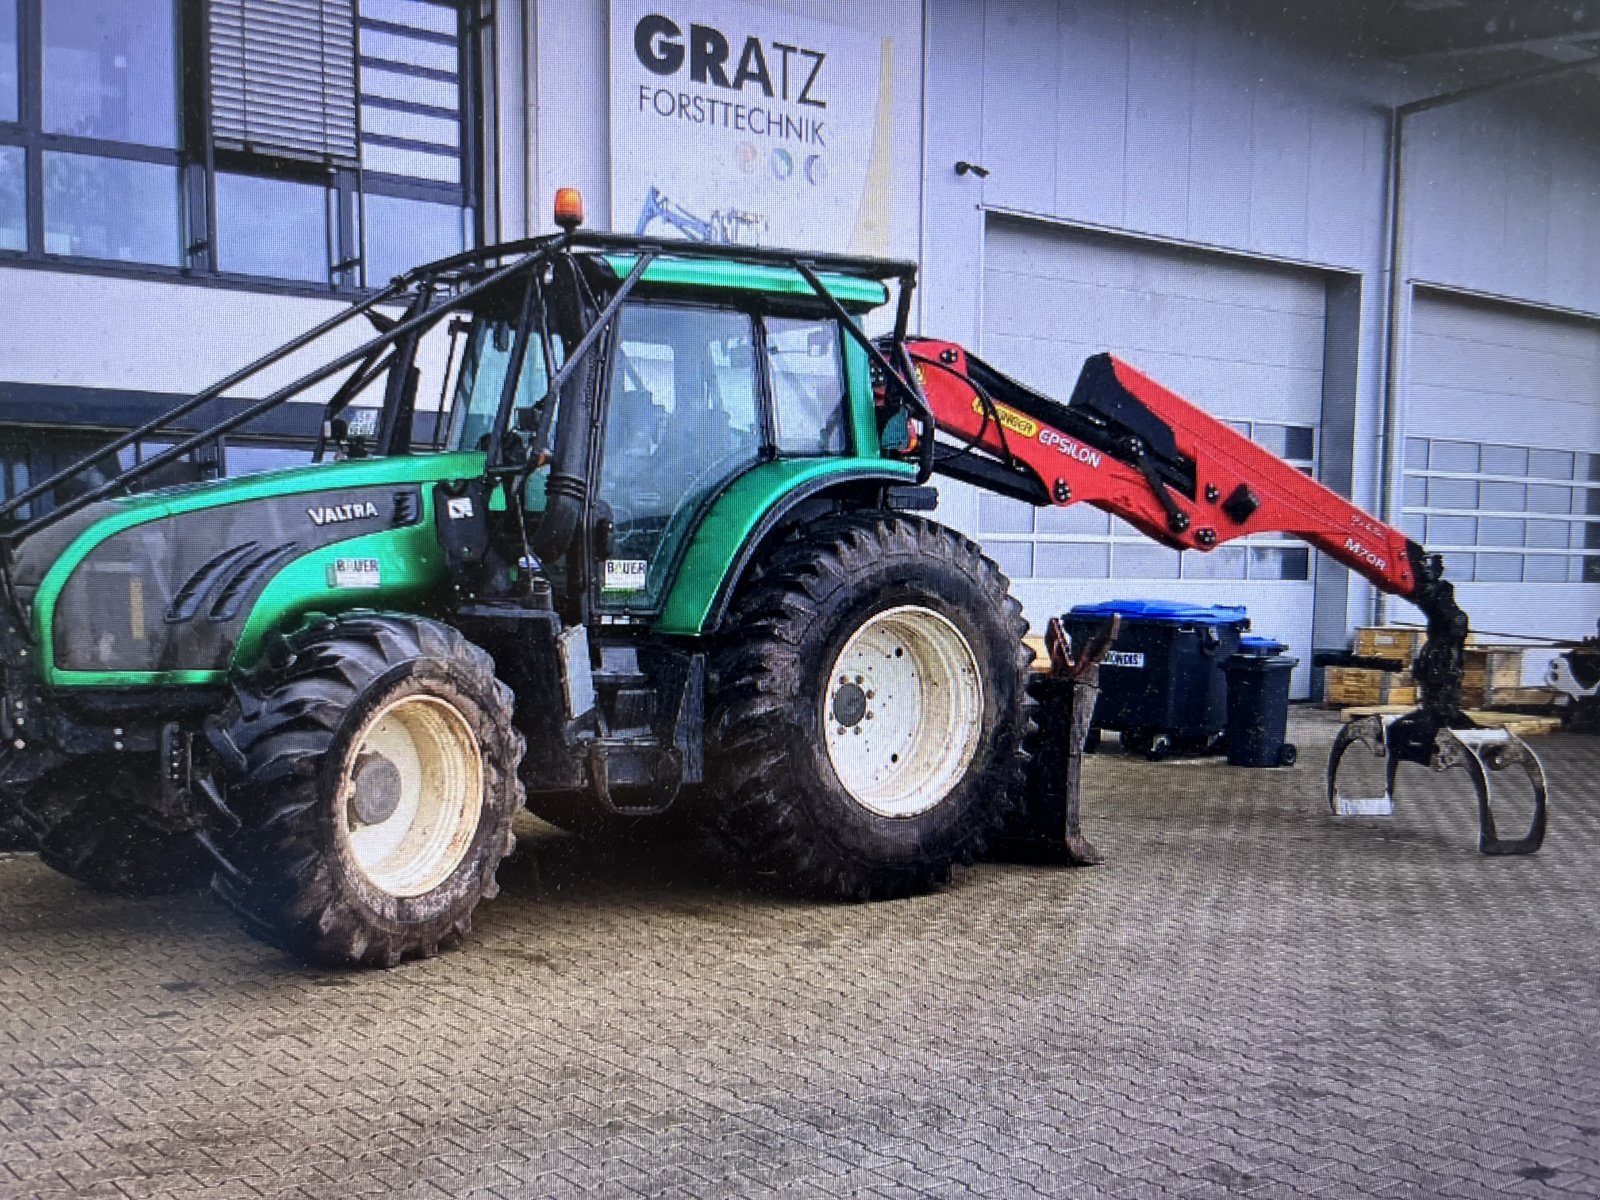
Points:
(283, 79)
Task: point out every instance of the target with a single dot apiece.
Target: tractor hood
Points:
(174, 586)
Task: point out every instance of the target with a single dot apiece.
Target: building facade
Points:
(1209, 190)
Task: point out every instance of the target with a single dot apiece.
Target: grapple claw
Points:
(1370, 733)
(1481, 753)
(1484, 753)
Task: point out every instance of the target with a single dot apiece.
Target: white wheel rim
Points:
(902, 711)
(422, 827)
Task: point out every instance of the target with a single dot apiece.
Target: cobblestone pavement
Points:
(1249, 998)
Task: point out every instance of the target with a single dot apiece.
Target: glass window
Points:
(1001, 514)
(1500, 531)
(246, 459)
(1275, 563)
(272, 227)
(1226, 563)
(1452, 493)
(1300, 443)
(681, 420)
(1453, 456)
(1544, 568)
(1416, 453)
(1271, 438)
(110, 208)
(415, 163)
(109, 70)
(1452, 531)
(1504, 497)
(402, 234)
(419, 14)
(13, 201)
(1499, 568)
(1146, 562)
(1072, 560)
(376, 82)
(410, 91)
(1543, 498)
(14, 474)
(1458, 565)
(1549, 535)
(8, 60)
(1505, 460)
(808, 391)
(1416, 491)
(426, 53)
(483, 378)
(412, 126)
(1076, 518)
(1551, 464)
(1014, 558)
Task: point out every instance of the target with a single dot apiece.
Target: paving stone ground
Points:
(1249, 998)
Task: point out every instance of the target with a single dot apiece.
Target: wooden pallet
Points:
(1520, 724)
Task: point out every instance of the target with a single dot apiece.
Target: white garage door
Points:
(1241, 339)
(1502, 469)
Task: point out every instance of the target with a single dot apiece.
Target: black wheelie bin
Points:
(1258, 704)
(1161, 684)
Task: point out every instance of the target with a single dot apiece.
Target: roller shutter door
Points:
(1242, 339)
(1502, 461)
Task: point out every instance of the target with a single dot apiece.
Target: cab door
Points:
(683, 417)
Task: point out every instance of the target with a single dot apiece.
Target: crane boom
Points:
(1127, 445)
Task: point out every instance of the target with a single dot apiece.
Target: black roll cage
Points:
(434, 290)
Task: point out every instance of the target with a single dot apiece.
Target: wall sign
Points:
(735, 123)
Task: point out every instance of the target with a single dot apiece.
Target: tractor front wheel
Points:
(379, 786)
(868, 708)
(85, 821)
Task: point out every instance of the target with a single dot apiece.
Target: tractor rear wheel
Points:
(85, 822)
(377, 793)
(868, 706)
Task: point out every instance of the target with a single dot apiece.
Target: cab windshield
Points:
(483, 376)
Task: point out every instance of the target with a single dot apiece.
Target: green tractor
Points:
(658, 551)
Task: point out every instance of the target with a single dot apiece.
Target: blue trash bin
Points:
(1161, 683)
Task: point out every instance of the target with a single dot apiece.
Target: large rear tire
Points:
(378, 790)
(84, 820)
(868, 708)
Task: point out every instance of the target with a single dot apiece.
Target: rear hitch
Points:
(1417, 738)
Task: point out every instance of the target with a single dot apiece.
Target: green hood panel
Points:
(176, 586)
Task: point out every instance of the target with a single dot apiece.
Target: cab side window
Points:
(809, 397)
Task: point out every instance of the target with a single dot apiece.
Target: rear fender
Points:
(756, 507)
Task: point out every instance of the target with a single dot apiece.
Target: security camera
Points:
(964, 167)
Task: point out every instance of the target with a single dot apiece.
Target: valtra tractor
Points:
(662, 548)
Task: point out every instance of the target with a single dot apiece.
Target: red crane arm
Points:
(1129, 446)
